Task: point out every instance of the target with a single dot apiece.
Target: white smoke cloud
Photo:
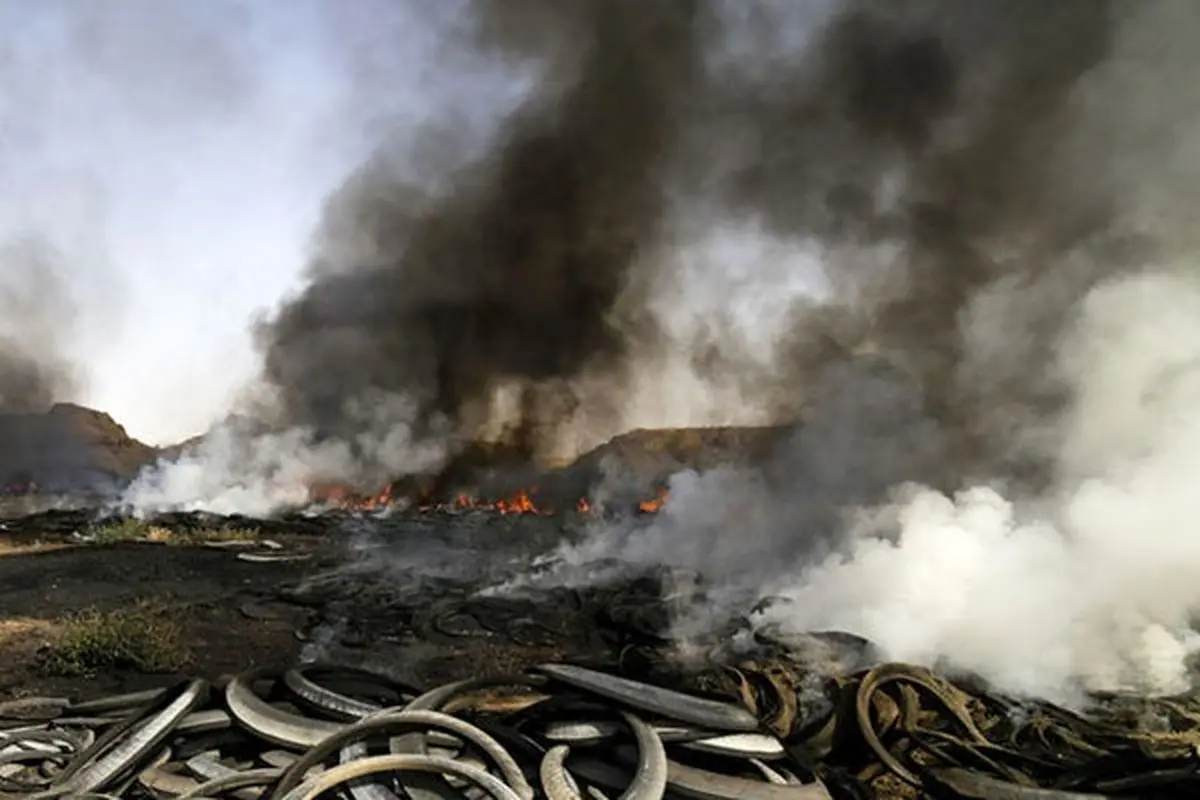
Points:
(236, 470)
(1092, 586)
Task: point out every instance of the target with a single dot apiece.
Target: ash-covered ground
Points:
(429, 597)
(424, 596)
(427, 590)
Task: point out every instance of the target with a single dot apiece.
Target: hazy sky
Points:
(177, 153)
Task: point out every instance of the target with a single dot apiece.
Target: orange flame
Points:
(341, 496)
(522, 502)
(655, 505)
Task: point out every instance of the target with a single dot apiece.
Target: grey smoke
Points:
(37, 321)
(917, 144)
(1041, 303)
(509, 270)
(903, 143)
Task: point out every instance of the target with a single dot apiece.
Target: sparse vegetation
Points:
(145, 637)
(127, 530)
(133, 530)
(216, 535)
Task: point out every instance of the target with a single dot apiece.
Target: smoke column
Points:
(509, 271)
(461, 291)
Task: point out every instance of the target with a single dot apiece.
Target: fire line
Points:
(522, 502)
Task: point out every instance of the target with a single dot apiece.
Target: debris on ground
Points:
(404, 658)
(561, 731)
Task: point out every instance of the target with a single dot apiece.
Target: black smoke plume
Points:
(935, 131)
(925, 145)
(512, 269)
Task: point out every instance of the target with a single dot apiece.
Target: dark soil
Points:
(204, 590)
(400, 596)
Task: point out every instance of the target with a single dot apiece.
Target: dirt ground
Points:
(225, 608)
(396, 595)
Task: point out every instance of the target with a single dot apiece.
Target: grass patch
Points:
(133, 530)
(216, 535)
(145, 637)
(127, 530)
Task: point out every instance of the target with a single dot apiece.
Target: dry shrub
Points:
(132, 530)
(143, 637)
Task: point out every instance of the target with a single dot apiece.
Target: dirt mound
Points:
(656, 452)
(633, 464)
(647, 457)
(68, 449)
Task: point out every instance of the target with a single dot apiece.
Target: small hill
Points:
(236, 424)
(633, 461)
(655, 453)
(68, 449)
